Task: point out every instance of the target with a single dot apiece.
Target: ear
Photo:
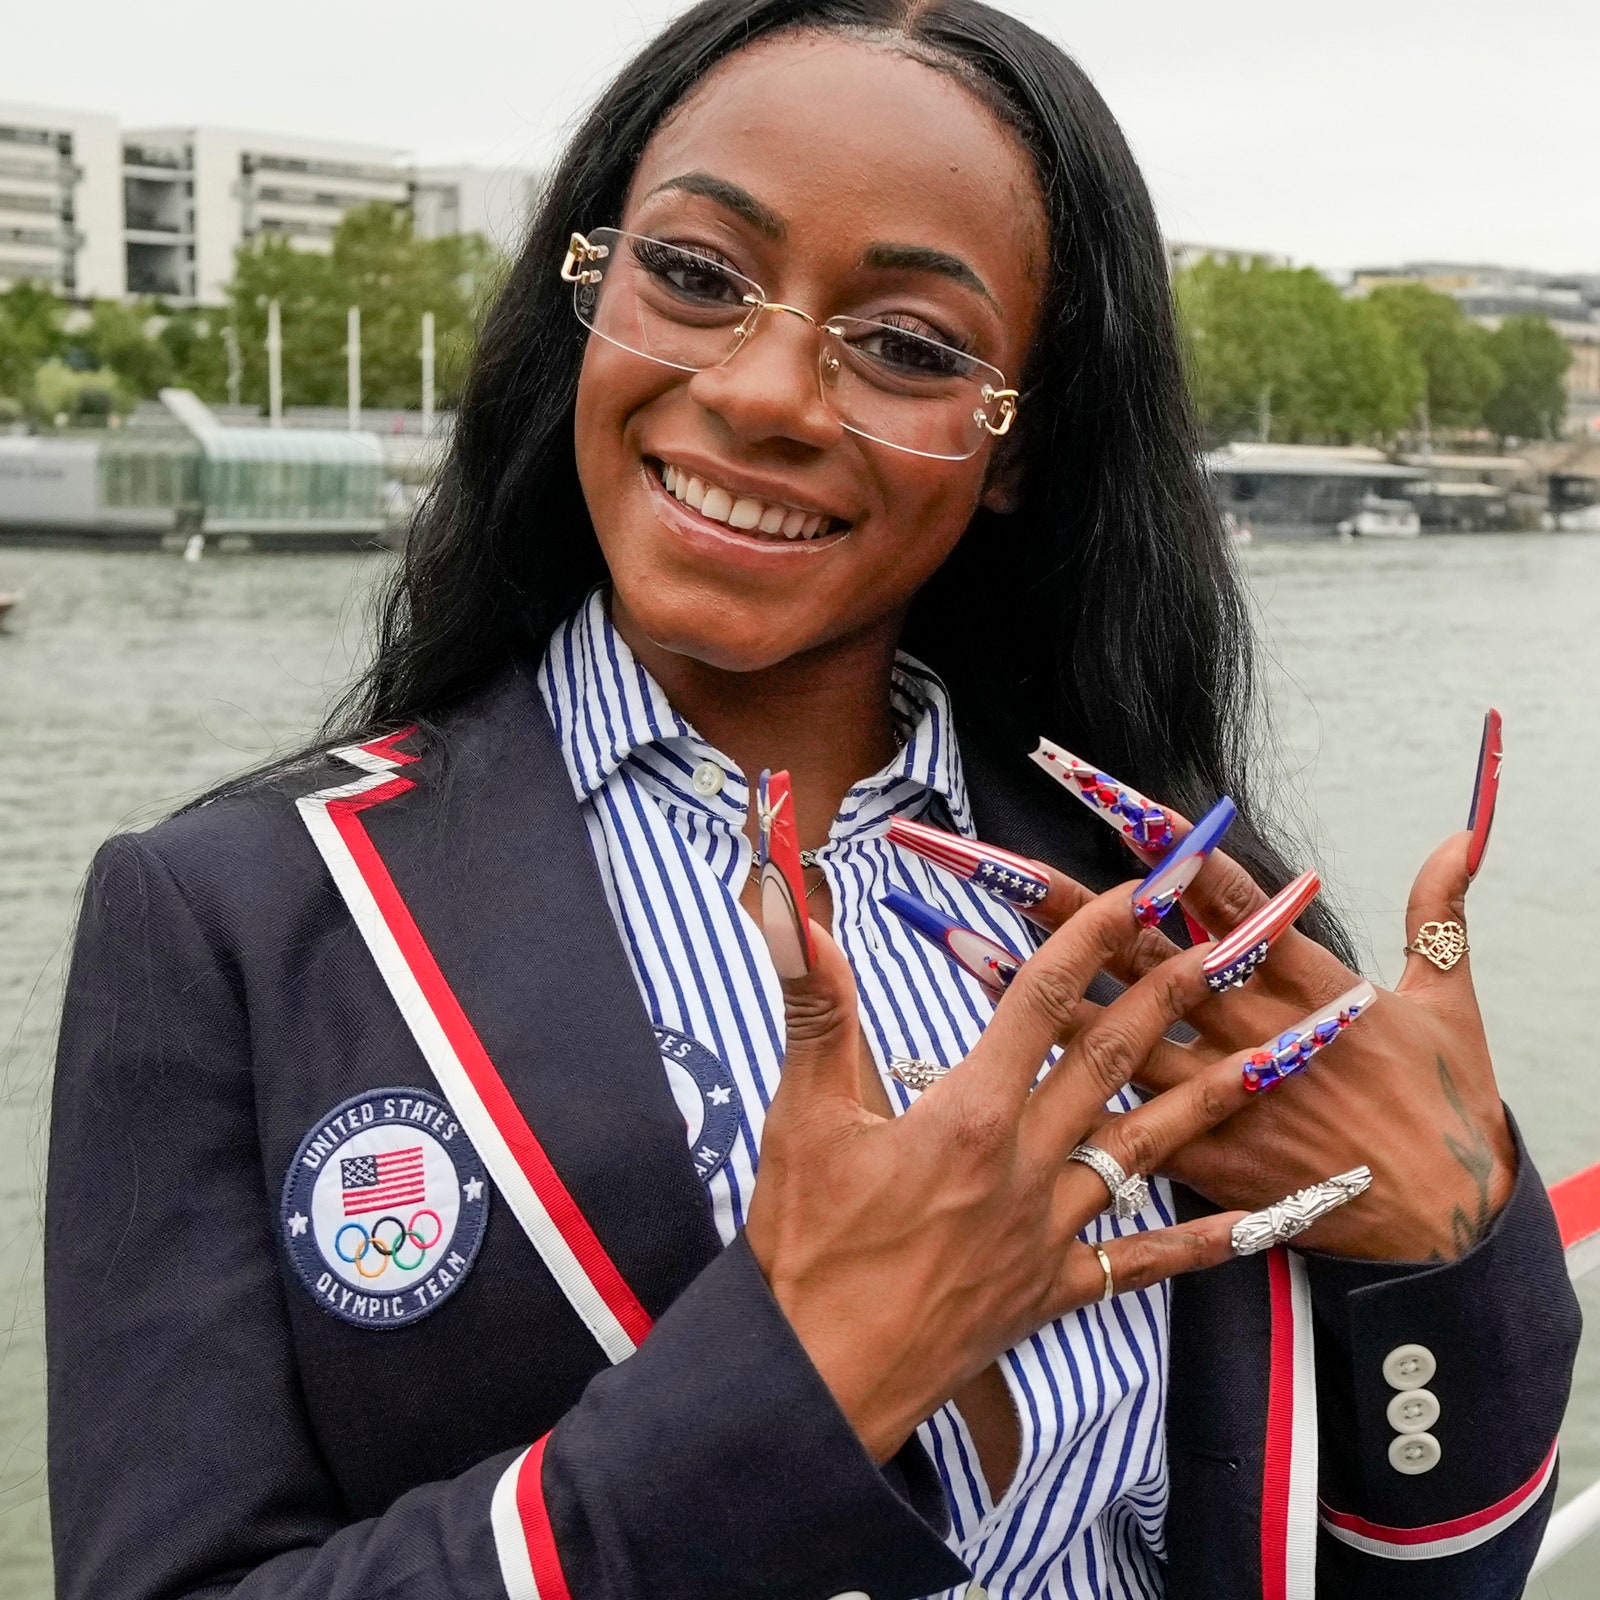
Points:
(1002, 485)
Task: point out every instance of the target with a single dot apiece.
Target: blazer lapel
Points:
(515, 984)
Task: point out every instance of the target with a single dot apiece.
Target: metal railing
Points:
(1577, 1206)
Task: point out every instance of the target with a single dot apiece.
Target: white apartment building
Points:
(98, 212)
(61, 200)
(496, 202)
(192, 196)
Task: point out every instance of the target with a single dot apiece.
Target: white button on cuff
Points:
(708, 780)
(1414, 1453)
(1409, 1366)
(1413, 1411)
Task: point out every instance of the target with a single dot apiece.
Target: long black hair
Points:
(1107, 614)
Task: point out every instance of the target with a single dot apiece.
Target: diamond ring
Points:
(1129, 1195)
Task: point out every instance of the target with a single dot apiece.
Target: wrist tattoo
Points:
(1476, 1158)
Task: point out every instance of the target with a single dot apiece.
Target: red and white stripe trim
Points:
(1289, 1481)
(1440, 1538)
(466, 1076)
(530, 1568)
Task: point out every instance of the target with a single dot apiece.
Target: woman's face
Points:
(845, 180)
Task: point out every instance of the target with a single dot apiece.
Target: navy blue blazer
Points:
(230, 1417)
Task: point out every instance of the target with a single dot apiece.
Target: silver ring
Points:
(1105, 1267)
(1129, 1195)
(915, 1073)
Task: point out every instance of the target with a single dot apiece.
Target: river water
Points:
(130, 680)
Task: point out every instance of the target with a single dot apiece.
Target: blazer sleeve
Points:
(1440, 1392)
(712, 1464)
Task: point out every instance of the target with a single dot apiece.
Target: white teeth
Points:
(745, 512)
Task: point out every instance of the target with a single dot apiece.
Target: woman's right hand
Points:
(909, 1252)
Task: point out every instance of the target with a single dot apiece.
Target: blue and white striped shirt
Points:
(1083, 1516)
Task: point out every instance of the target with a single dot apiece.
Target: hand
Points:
(909, 1252)
(1409, 1090)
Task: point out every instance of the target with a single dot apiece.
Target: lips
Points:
(760, 519)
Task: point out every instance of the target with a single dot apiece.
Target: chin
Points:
(727, 632)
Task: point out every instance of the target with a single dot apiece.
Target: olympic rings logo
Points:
(389, 1249)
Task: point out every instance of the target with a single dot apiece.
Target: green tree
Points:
(30, 334)
(124, 339)
(378, 264)
(1461, 372)
(194, 344)
(1283, 346)
(1531, 402)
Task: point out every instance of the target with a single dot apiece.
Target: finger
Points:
(821, 1026)
(1099, 1060)
(1436, 922)
(1043, 1005)
(1142, 1141)
(1139, 1260)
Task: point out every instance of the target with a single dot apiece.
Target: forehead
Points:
(839, 135)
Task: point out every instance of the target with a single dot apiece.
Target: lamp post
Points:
(352, 367)
(274, 366)
(427, 374)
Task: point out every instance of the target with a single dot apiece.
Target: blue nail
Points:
(1159, 893)
(991, 964)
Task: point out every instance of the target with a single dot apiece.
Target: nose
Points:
(768, 389)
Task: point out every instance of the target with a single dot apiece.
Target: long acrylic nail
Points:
(991, 964)
(1158, 894)
(1144, 824)
(1485, 791)
(1292, 1051)
(1014, 879)
(781, 882)
(1291, 1216)
(1234, 958)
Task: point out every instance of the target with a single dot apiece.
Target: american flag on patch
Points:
(377, 1183)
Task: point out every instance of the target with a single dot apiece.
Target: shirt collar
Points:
(605, 707)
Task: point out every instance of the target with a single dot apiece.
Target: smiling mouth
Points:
(763, 520)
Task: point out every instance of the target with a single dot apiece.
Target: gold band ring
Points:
(1442, 943)
(1105, 1267)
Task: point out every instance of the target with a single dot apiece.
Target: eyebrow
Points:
(923, 258)
(739, 201)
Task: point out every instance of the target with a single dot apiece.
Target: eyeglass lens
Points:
(684, 310)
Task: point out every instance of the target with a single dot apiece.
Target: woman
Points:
(378, 1261)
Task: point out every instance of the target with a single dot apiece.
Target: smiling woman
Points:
(621, 1129)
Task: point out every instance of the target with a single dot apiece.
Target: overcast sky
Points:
(1367, 131)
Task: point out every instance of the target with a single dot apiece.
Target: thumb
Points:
(1436, 922)
(821, 1024)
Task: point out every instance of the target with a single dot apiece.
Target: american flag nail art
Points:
(1234, 958)
(1014, 879)
(1485, 791)
(1290, 1052)
(1158, 894)
(1144, 824)
(991, 964)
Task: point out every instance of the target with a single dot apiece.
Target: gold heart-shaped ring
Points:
(1442, 943)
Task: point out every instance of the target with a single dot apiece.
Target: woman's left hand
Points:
(1408, 1090)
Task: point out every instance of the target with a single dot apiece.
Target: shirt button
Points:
(1414, 1453)
(976, 1591)
(708, 779)
(1413, 1411)
(852, 1594)
(1409, 1366)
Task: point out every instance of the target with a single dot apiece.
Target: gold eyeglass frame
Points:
(580, 250)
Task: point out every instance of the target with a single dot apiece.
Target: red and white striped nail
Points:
(1012, 878)
(1235, 957)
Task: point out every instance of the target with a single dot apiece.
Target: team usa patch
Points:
(706, 1095)
(384, 1207)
